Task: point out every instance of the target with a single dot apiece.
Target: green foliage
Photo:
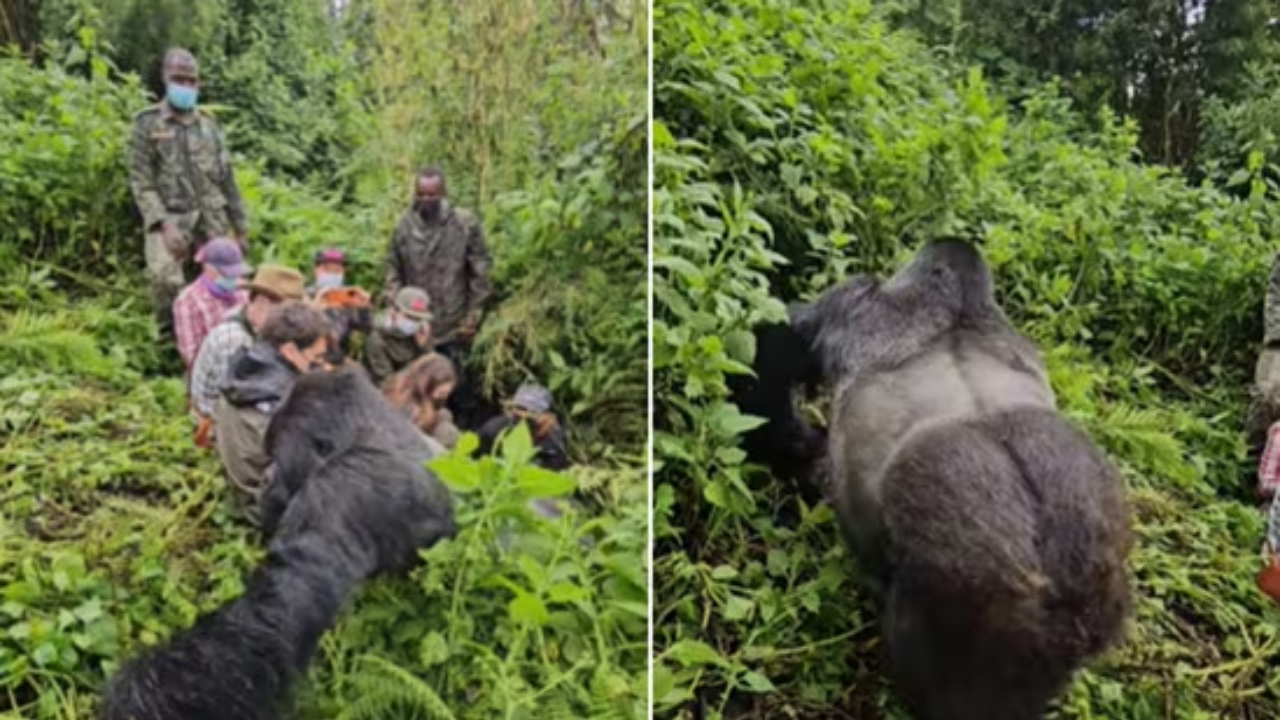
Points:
(534, 617)
(797, 144)
(1239, 135)
(573, 267)
(1153, 61)
(496, 95)
(62, 173)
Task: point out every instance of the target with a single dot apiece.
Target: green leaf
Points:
(727, 421)
(757, 682)
(724, 572)
(737, 608)
(528, 609)
(433, 650)
(538, 482)
(694, 652)
(741, 346)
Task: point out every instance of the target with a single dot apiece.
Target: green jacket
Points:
(448, 258)
(180, 171)
(387, 352)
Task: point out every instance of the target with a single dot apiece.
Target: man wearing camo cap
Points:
(402, 337)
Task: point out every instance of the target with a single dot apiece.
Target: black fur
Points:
(327, 413)
(360, 505)
(994, 532)
(789, 446)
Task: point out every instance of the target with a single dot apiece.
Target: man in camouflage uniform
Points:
(442, 250)
(182, 181)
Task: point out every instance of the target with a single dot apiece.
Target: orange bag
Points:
(343, 297)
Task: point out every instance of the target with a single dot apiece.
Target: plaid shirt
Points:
(1269, 465)
(196, 312)
(1273, 524)
(214, 359)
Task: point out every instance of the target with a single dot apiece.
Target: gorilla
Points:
(786, 444)
(993, 533)
(310, 440)
(354, 502)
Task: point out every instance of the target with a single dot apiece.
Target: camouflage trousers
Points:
(166, 276)
(239, 436)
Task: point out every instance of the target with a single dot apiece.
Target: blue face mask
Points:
(181, 97)
(406, 327)
(226, 284)
(328, 282)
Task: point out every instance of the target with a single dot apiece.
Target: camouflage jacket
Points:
(448, 258)
(387, 352)
(180, 171)
(1271, 308)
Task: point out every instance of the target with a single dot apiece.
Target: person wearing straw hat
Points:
(293, 340)
(271, 286)
(402, 337)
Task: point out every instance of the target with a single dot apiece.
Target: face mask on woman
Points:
(328, 281)
(407, 327)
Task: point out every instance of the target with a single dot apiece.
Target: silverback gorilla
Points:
(360, 506)
(993, 533)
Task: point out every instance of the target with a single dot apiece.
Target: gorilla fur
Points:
(993, 532)
(360, 507)
(327, 413)
(786, 444)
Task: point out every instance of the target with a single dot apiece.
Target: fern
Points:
(52, 341)
(384, 686)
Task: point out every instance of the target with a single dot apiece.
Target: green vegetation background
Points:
(114, 529)
(797, 142)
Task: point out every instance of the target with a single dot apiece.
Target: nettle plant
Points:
(518, 616)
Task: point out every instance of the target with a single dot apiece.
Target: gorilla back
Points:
(993, 531)
(338, 432)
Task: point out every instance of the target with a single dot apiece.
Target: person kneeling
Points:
(293, 340)
(421, 391)
(532, 406)
(404, 336)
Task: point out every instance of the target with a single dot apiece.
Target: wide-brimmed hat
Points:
(277, 282)
(224, 254)
(532, 398)
(413, 302)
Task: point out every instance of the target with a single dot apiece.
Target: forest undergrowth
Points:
(796, 143)
(116, 531)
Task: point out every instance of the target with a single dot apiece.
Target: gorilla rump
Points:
(359, 504)
(993, 533)
(786, 444)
